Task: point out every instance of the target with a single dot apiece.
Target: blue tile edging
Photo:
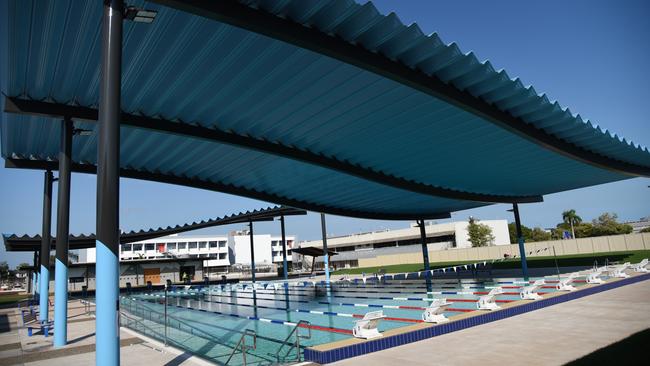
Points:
(323, 357)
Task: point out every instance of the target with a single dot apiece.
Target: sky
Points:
(591, 56)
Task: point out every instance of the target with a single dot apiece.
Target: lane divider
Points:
(264, 320)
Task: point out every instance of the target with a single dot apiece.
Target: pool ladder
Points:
(295, 344)
(242, 345)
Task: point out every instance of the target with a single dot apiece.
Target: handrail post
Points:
(165, 315)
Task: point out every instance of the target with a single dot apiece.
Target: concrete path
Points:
(551, 336)
(16, 348)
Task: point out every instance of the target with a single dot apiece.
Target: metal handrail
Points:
(242, 343)
(296, 344)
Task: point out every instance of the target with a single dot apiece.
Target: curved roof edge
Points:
(359, 35)
(223, 188)
(14, 242)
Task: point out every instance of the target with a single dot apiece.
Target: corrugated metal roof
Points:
(25, 242)
(198, 71)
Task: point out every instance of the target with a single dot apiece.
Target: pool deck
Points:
(16, 348)
(550, 336)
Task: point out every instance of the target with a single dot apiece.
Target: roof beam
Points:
(259, 21)
(224, 188)
(47, 109)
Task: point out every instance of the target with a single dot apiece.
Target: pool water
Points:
(210, 321)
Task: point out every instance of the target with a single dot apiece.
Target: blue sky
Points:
(589, 55)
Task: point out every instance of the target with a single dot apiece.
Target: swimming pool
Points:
(210, 321)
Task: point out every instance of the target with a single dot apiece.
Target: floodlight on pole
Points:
(140, 15)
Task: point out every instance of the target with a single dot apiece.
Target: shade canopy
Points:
(325, 105)
(26, 243)
(313, 252)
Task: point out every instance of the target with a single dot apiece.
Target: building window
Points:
(191, 245)
(289, 252)
(213, 244)
(171, 246)
(203, 244)
(149, 246)
(222, 244)
(182, 246)
(222, 255)
(126, 247)
(137, 247)
(161, 247)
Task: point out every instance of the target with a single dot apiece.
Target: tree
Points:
(570, 217)
(645, 230)
(22, 266)
(480, 235)
(4, 270)
(539, 234)
(530, 235)
(607, 224)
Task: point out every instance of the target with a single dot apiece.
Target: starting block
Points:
(619, 271)
(530, 292)
(487, 302)
(641, 266)
(434, 312)
(594, 277)
(367, 327)
(565, 283)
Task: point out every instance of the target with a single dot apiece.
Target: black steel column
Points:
(326, 258)
(284, 249)
(108, 187)
(62, 232)
(46, 240)
(250, 232)
(425, 250)
(520, 240)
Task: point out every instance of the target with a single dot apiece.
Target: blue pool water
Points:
(209, 321)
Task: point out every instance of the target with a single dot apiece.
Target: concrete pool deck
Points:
(553, 335)
(16, 348)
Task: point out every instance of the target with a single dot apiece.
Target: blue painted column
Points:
(520, 240)
(107, 348)
(425, 255)
(326, 258)
(284, 249)
(46, 238)
(62, 233)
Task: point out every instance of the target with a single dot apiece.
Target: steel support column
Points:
(326, 260)
(425, 251)
(32, 289)
(520, 240)
(46, 240)
(108, 186)
(37, 267)
(284, 249)
(62, 232)
(250, 233)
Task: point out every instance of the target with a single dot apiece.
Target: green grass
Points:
(535, 262)
(12, 298)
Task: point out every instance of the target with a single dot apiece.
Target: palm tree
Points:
(570, 217)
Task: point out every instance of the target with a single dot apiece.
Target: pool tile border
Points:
(337, 354)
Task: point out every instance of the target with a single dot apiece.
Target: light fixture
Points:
(140, 15)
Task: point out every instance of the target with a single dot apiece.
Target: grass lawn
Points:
(536, 262)
(12, 298)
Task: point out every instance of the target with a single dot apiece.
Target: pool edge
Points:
(365, 347)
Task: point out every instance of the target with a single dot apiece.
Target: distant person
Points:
(186, 278)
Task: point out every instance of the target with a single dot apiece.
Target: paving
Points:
(551, 336)
(17, 348)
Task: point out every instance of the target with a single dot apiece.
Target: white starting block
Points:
(367, 327)
(594, 277)
(434, 312)
(619, 271)
(530, 292)
(565, 283)
(641, 266)
(487, 302)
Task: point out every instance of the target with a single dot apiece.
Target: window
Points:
(222, 255)
(203, 244)
(137, 247)
(222, 244)
(171, 246)
(161, 247)
(213, 244)
(149, 246)
(191, 245)
(126, 247)
(289, 252)
(182, 245)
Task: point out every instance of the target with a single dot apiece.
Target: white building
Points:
(370, 244)
(217, 251)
